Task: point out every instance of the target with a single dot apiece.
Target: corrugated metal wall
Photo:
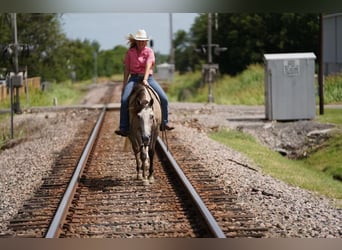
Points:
(332, 43)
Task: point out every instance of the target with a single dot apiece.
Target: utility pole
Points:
(16, 81)
(172, 50)
(171, 66)
(210, 60)
(14, 106)
(321, 65)
(209, 70)
(95, 67)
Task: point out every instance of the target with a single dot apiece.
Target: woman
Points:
(139, 62)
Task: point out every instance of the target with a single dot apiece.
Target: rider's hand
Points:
(145, 82)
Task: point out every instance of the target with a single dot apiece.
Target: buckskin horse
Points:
(145, 119)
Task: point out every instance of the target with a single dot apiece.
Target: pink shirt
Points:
(136, 62)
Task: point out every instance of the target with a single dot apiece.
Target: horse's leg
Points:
(145, 162)
(151, 170)
(137, 160)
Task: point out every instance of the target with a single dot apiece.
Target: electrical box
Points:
(165, 72)
(209, 72)
(17, 80)
(289, 86)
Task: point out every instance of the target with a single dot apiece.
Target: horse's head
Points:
(146, 121)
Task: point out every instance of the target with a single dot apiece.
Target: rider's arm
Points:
(147, 72)
(127, 69)
(126, 75)
(149, 66)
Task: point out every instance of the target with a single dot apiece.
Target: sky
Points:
(111, 29)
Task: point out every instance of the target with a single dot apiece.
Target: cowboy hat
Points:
(141, 35)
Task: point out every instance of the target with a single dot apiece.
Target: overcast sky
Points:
(111, 29)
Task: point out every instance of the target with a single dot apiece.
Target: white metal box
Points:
(165, 72)
(289, 86)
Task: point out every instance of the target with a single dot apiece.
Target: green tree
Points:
(243, 35)
(186, 58)
(80, 58)
(111, 61)
(249, 36)
(43, 33)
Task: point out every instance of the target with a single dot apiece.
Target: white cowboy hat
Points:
(141, 35)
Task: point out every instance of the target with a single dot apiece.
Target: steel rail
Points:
(60, 214)
(210, 220)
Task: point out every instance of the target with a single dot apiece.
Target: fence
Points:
(29, 83)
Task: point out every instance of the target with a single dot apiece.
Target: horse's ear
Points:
(151, 102)
(142, 103)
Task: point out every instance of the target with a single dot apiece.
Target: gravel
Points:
(288, 211)
(26, 161)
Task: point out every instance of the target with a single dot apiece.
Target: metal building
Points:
(289, 86)
(332, 43)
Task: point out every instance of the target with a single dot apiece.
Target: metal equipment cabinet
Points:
(165, 72)
(289, 86)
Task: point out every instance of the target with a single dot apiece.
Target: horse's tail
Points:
(127, 145)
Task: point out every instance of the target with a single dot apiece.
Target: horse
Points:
(144, 119)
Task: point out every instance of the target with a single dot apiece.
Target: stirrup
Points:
(122, 133)
(164, 127)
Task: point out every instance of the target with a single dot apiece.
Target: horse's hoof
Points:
(139, 177)
(151, 179)
(146, 182)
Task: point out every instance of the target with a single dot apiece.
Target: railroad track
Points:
(104, 200)
(107, 201)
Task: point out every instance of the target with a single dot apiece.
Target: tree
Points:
(43, 33)
(249, 36)
(186, 58)
(243, 35)
(111, 61)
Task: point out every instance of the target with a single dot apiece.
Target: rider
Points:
(139, 62)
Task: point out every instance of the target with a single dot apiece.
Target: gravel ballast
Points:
(287, 211)
(24, 164)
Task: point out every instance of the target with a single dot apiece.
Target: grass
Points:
(321, 172)
(184, 87)
(246, 88)
(66, 93)
(296, 173)
(328, 158)
(333, 89)
(331, 115)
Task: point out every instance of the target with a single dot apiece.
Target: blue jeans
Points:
(124, 114)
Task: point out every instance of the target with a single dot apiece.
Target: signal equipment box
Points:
(289, 86)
